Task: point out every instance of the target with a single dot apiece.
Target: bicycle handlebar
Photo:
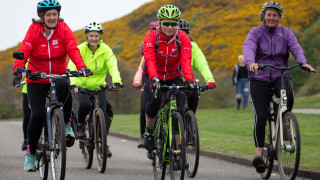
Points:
(20, 84)
(299, 64)
(102, 88)
(43, 75)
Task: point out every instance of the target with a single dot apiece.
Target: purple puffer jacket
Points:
(266, 46)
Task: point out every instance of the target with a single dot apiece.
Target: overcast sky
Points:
(16, 15)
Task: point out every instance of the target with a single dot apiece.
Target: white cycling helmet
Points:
(93, 27)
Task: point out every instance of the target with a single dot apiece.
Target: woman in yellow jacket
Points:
(100, 58)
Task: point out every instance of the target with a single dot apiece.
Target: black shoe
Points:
(259, 164)
(70, 141)
(24, 146)
(149, 143)
(150, 154)
(109, 154)
(141, 143)
(81, 132)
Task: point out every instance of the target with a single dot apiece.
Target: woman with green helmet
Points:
(162, 59)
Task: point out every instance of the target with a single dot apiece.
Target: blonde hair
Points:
(240, 57)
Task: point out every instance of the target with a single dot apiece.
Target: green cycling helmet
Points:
(169, 12)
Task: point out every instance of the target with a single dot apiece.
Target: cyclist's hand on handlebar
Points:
(116, 85)
(190, 84)
(212, 84)
(155, 82)
(20, 72)
(85, 71)
(307, 68)
(253, 67)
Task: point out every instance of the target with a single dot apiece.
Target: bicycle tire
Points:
(192, 144)
(159, 166)
(86, 145)
(267, 154)
(100, 140)
(289, 155)
(43, 162)
(58, 155)
(177, 153)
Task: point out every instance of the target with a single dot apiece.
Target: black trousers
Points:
(37, 94)
(85, 107)
(144, 100)
(26, 115)
(154, 104)
(260, 94)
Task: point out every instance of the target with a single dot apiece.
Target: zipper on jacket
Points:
(95, 61)
(271, 54)
(165, 67)
(49, 57)
(275, 51)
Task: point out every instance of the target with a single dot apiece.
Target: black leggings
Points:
(37, 94)
(85, 107)
(154, 104)
(260, 94)
(144, 100)
(26, 115)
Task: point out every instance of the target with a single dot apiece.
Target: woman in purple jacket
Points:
(269, 44)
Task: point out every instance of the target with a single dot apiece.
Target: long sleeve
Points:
(199, 61)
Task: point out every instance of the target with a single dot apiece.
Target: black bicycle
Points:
(95, 130)
(192, 133)
(51, 148)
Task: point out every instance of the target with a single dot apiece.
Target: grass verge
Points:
(231, 132)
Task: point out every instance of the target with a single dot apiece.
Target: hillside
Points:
(218, 26)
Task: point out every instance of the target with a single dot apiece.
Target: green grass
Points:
(231, 132)
(312, 101)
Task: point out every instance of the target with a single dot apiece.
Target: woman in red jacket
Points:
(46, 45)
(164, 50)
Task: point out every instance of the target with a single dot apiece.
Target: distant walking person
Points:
(240, 80)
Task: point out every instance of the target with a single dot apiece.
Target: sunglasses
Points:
(172, 24)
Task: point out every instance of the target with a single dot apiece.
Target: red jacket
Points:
(163, 67)
(49, 55)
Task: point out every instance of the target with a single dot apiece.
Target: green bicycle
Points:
(169, 136)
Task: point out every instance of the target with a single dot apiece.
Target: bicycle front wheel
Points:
(177, 153)
(267, 153)
(58, 154)
(100, 140)
(43, 161)
(192, 144)
(86, 145)
(159, 166)
(289, 154)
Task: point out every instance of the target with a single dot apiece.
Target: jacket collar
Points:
(164, 37)
(268, 29)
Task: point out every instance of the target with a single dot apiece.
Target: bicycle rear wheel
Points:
(43, 161)
(192, 144)
(100, 140)
(177, 153)
(267, 153)
(159, 166)
(58, 154)
(289, 154)
(86, 145)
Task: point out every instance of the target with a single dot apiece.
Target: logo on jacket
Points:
(149, 45)
(54, 42)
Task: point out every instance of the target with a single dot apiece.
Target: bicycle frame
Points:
(165, 114)
(277, 125)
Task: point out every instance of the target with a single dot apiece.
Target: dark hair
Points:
(188, 33)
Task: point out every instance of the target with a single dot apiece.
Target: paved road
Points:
(127, 163)
(306, 111)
